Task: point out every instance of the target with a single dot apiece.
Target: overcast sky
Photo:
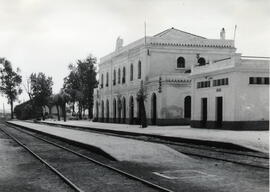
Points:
(47, 35)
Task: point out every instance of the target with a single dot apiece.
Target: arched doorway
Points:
(107, 111)
(97, 110)
(119, 107)
(187, 107)
(102, 111)
(154, 109)
(124, 110)
(114, 110)
(131, 110)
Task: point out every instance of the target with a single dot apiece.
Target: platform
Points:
(255, 140)
(121, 149)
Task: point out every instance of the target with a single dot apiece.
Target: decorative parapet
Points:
(171, 78)
(191, 42)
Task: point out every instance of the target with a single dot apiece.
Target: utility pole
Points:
(4, 114)
(145, 33)
(234, 34)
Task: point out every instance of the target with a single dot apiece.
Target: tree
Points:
(87, 71)
(72, 85)
(56, 101)
(64, 98)
(41, 88)
(10, 83)
(60, 100)
(80, 84)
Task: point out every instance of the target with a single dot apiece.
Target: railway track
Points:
(242, 157)
(56, 156)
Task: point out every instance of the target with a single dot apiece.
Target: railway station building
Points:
(168, 67)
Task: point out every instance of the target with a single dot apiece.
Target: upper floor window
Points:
(180, 62)
(114, 77)
(259, 80)
(131, 72)
(107, 79)
(101, 85)
(201, 61)
(139, 69)
(220, 82)
(124, 75)
(203, 84)
(119, 76)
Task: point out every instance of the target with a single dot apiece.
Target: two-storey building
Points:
(161, 64)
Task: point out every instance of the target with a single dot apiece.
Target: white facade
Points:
(243, 104)
(166, 61)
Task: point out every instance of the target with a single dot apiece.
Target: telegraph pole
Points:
(4, 114)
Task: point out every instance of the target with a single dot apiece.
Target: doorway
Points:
(131, 110)
(219, 111)
(107, 111)
(204, 112)
(154, 109)
(187, 106)
(124, 110)
(119, 107)
(114, 111)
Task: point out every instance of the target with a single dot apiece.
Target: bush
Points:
(27, 111)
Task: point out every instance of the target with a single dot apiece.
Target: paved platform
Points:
(122, 149)
(256, 140)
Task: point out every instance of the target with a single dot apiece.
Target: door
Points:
(219, 111)
(154, 109)
(204, 112)
(131, 110)
(187, 107)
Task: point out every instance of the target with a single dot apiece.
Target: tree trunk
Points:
(11, 109)
(43, 113)
(80, 111)
(73, 107)
(58, 115)
(64, 112)
(50, 110)
(90, 112)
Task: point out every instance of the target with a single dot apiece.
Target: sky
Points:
(47, 35)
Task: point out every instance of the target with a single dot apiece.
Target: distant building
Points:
(169, 66)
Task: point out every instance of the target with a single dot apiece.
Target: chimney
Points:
(119, 43)
(222, 34)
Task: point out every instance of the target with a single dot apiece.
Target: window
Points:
(220, 82)
(101, 85)
(251, 80)
(180, 62)
(131, 72)
(119, 76)
(114, 77)
(266, 80)
(139, 69)
(203, 84)
(259, 80)
(201, 61)
(107, 79)
(124, 75)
